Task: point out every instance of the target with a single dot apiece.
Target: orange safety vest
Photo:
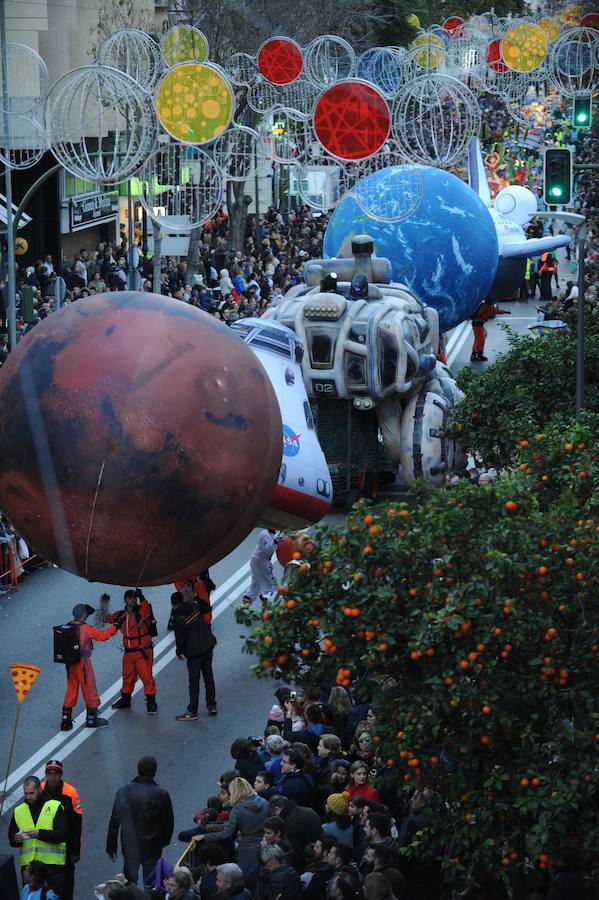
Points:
(547, 263)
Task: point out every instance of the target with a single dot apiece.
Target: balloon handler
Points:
(137, 626)
(80, 674)
(487, 310)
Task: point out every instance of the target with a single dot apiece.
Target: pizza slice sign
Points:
(23, 676)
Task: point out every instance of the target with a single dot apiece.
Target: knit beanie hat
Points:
(337, 803)
(276, 714)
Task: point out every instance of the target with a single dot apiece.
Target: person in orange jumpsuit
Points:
(487, 310)
(80, 675)
(137, 627)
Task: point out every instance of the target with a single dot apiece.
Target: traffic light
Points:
(279, 128)
(557, 176)
(582, 112)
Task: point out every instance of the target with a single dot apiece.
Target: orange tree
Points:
(473, 617)
(524, 388)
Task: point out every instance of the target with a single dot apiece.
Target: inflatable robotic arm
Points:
(374, 344)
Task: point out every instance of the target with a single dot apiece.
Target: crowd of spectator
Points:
(228, 284)
(307, 810)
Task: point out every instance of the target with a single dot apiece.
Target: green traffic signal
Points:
(582, 112)
(557, 176)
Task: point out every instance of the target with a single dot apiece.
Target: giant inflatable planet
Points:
(446, 251)
(139, 439)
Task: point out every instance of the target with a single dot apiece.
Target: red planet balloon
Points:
(140, 439)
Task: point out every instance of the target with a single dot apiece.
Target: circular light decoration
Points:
(434, 118)
(299, 96)
(413, 20)
(381, 66)
(280, 60)
(263, 97)
(550, 26)
(21, 246)
(429, 50)
(184, 43)
(328, 59)
(524, 47)
(572, 65)
(494, 58)
(394, 196)
(26, 80)
(24, 144)
(236, 152)
(351, 120)
(454, 27)
(194, 103)
(135, 53)
(100, 124)
(293, 145)
(571, 15)
(241, 69)
(591, 20)
(183, 187)
(334, 182)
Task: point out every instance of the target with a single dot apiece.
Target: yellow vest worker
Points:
(38, 827)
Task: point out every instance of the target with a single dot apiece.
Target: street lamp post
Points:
(581, 239)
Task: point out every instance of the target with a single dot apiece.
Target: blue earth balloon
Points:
(446, 251)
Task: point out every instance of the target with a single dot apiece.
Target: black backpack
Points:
(67, 648)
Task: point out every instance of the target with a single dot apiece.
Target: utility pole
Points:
(11, 288)
(582, 233)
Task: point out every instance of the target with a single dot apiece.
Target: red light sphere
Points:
(352, 119)
(140, 439)
(494, 57)
(280, 60)
(590, 20)
(454, 27)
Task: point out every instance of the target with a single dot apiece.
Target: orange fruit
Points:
(524, 782)
(510, 505)
(368, 520)
(486, 710)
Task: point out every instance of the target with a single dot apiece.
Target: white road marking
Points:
(455, 336)
(459, 343)
(68, 742)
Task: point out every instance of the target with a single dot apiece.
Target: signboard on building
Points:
(86, 211)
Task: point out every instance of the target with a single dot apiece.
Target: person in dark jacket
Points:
(302, 826)
(296, 783)
(247, 761)
(319, 871)
(314, 729)
(229, 882)
(284, 882)
(194, 641)
(143, 812)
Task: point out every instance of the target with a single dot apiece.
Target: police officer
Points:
(38, 827)
(81, 674)
(57, 789)
(137, 627)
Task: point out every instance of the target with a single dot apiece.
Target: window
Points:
(388, 356)
(308, 415)
(74, 186)
(321, 348)
(355, 370)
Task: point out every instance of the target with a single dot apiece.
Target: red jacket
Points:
(135, 627)
(487, 311)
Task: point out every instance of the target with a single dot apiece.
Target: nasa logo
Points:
(291, 441)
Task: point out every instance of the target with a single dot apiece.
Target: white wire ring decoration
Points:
(335, 177)
(433, 120)
(241, 69)
(135, 53)
(236, 152)
(100, 123)
(328, 59)
(25, 143)
(394, 196)
(183, 187)
(573, 63)
(293, 146)
(26, 81)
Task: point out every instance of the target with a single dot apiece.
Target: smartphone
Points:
(292, 695)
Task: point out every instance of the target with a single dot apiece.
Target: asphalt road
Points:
(191, 755)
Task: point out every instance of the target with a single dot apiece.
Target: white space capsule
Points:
(304, 491)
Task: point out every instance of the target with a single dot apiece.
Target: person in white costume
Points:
(262, 584)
